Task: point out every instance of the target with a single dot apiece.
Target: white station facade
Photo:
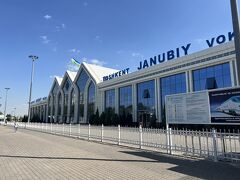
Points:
(140, 95)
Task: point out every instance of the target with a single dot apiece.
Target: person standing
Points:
(15, 126)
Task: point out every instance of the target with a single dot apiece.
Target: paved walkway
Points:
(33, 155)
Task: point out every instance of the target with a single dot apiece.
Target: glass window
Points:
(146, 103)
(59, 103)
(219, 74)
(72, 103)
(125, 104)
(177, 85)
(110, 100)
(91, 100)
(81, 83)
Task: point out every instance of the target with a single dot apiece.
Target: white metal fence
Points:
(206, 144)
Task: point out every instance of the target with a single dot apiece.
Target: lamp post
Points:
(33, 58)
(14, 114)
(5, 105)
(236, 30)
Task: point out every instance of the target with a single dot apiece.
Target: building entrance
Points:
(144, 118)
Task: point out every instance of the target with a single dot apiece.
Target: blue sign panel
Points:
(116, 74)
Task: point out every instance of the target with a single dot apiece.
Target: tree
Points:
(153, 121)
(97, 118)
(8, 117)
(25, 118)
(102, 118)
(115, 120)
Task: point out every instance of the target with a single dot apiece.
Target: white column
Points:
(189, 81)
(62, 106)
(117, 100)
(134, 101)
(234, 80)
(158, 101)
(69, 105)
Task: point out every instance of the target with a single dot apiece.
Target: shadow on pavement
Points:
(203, 169)
(74, 158)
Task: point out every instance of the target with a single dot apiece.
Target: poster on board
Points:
(225, 106)
(189, 108)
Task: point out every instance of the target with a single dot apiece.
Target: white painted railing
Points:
(206, 143)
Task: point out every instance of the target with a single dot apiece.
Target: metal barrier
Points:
(206, 143)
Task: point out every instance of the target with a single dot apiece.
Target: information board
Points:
(190, 108)
(205, 107)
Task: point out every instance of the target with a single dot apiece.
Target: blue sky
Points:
(115, 34)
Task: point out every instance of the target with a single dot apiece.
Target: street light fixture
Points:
(5, 105)
(33, 58)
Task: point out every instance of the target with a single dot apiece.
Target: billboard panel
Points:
(225, 106)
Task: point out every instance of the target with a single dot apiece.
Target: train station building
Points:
(139, 95)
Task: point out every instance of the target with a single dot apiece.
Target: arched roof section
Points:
(95, 72)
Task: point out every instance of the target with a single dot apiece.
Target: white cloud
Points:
(137, 55)
(72, 67)
(85, 4)
(47, 17)
(44, 39)
(63, 26)
(53, 76)
(74, 50)
(98, 38)
(97, 62)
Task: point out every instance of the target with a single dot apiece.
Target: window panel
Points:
(221, 73)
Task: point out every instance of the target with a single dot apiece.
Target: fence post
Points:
(79, 130)
(214, 136)
(102, 133)
(186, 144)
(119, 134)
(89, 127)
(193, 148)
(70, 130)
(169, 139)
(51, 128)
(199, 142)
(140, 137)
